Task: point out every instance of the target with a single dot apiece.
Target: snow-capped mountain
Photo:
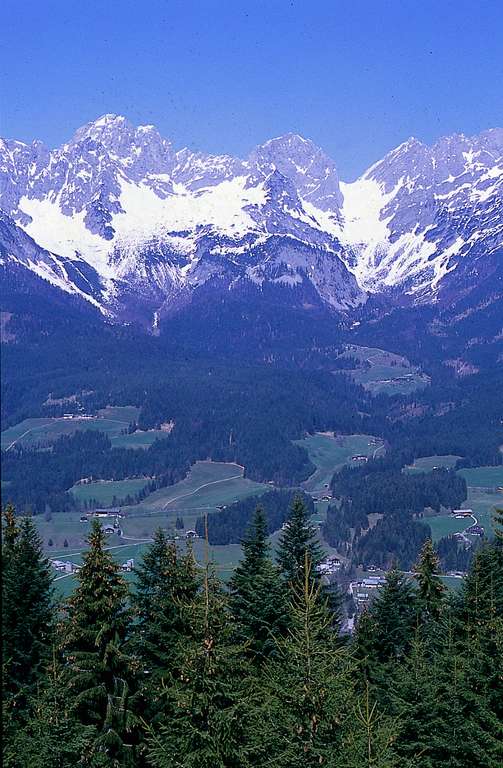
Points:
(121, 217)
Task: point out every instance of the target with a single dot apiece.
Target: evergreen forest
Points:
(179, 669)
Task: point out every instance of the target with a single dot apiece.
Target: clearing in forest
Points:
(329, 452)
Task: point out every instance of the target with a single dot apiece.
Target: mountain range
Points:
(122, 219)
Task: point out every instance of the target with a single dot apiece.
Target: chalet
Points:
(365, 590)
(359, 457)
(65, 566)
(459, 513)
(475, 530)
(128, 565)
(329, 565)
(191, 535)
(108, 512)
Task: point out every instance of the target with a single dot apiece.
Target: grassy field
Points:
(104, 491)
(427, 463)
(386, 373)
(483, 477)
(207, 486)
(329, 453)
(138, 439)
(480, 501)
(112, 421)
(225, 559)
(45, 431)
(127, 413)
(23, 431)
(446, 525)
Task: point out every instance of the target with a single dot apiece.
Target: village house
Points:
(460, 513)
(365, 590)
(109, 529)
(476, 530)
(329, 566)
(65, 566)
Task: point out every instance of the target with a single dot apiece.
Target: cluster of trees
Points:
(185, 672)
(393, 538)
(205, 401)
(38, 479)
(455, 555)
(398, 491)
(382, 488)
(229, 525)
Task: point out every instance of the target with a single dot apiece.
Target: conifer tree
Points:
(306, 690)
(10, 531)
(431, 591)
(364, 645)
(52, 736)
(481, 620)
(371, 739)
(498, 525)
(298, 538)
(100, 676)
(166, 583)
(394, 612)
(258, 598)
(27, 618)
(391, 620)
(443, 708)
(209, 698)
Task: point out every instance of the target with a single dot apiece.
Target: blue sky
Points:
(357, 77)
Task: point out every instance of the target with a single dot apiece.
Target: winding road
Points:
(204, 485)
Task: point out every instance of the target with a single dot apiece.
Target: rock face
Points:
(120, 217)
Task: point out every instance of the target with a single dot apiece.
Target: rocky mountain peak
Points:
(120, 199)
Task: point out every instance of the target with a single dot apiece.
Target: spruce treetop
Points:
(498, 525)
(431, 590)
(298, 538)
(10, 529)
(258, 594)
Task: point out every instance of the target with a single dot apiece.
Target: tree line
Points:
(381, 488)
(184, 671)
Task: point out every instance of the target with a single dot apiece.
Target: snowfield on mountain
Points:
(118, 213)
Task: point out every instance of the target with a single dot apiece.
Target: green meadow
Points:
(483, 477)
(428, 463)
(330, 452)
(384, 372)
(104, 491)
(113, 421)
